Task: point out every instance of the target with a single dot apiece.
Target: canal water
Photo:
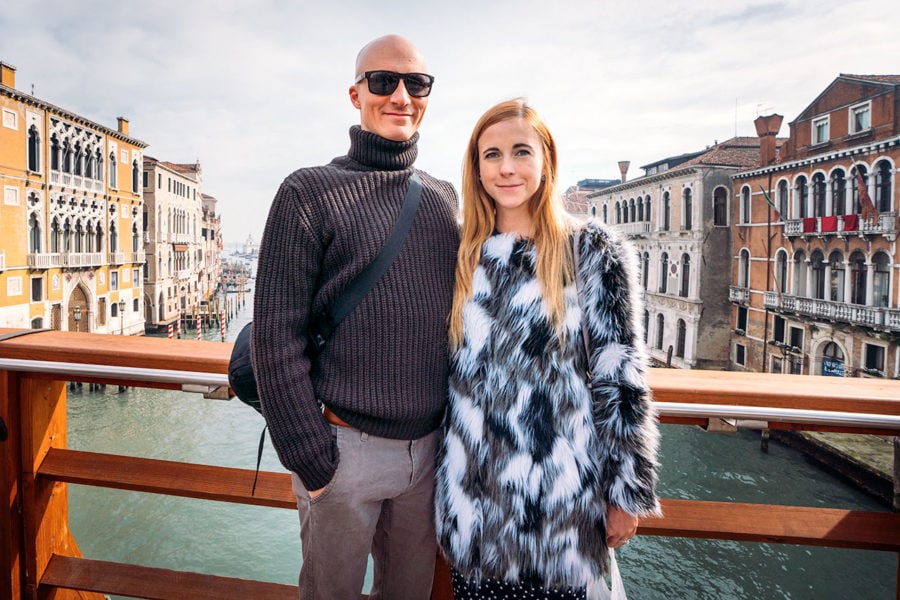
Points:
(263, 543)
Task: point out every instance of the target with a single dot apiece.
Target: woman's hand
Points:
(620, 527)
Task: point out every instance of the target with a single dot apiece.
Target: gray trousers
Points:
(380, 500)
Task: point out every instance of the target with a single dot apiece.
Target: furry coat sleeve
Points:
(623, 414)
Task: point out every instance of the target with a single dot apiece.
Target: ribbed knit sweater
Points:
(384, 369)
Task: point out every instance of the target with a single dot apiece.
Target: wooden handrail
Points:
(38, 467)
(878, 396)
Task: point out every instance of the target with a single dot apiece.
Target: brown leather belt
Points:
(333, 418)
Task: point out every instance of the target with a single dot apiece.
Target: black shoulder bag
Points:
(241, 378)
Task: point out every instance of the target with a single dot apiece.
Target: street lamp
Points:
(76, 315)
(122, 317)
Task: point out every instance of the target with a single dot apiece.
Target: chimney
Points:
(7, 75)
(767, 129)
(123, 125)
(623, 168)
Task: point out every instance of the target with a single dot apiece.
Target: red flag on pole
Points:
(867, 209)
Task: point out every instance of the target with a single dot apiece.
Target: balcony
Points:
(737, 293)
(82, 259)
(42, 558)
(636, 229)
(137, 257)
(843, 225)
(40, 260)
(117, 258)
(874, 317)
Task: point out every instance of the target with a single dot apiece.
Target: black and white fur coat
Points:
(530, 459)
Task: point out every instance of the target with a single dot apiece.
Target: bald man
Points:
(356, 425)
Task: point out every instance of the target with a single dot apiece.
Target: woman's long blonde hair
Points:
(551, 223)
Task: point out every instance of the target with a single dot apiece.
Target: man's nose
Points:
(400, 95)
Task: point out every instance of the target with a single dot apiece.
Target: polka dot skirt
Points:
(495, 589)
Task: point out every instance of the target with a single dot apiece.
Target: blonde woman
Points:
(538, 476)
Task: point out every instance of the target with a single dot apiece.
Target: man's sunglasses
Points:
(383, 83)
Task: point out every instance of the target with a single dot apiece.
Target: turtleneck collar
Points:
(374, 151)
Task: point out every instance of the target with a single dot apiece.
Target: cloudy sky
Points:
(255, 89)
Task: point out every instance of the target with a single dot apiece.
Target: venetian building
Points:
(211, 267)
(815, 288)
(173, 239)
(677, 217)
(70, 247)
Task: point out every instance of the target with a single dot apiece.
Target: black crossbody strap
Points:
(368, 277)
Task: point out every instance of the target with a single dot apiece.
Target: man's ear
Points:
(354, 97)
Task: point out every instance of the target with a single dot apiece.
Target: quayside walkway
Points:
(39, 558)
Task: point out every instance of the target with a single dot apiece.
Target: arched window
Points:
(744, 268)
(818, 187)
(90, 239)
(854, 186)
(594, 211)
(625, 211)
(135, 177)
(67, 157)
(640, 210)
(646, 325)
(113, 238)
(720, 207)
(78, 159)
(839, 192)
(98, 166)
(34, 149)
(857, 278)
(54, 236)
(745, 204)
(660, 328)
(684, 292)
(618, 213)
(781, 271)
(79, 236)
(881, 279)
(663, 273)
(680, 339)
(54, 153)
(99, 238)
(687, 208)
(667, 212)
(88, 163)
(883, 172)
(113, 180)
(135, 238)
(817, 264)
(645, 270)
(605, 215)
(647, 209)
(800, 269)
(838, 276)
(67, 236)
(783, 199)
(801, 188)
(34, 234)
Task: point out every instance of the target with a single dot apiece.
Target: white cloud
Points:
(256, 90)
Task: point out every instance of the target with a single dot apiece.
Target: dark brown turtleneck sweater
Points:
(384, 369)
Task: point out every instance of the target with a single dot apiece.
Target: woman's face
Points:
(510, 162)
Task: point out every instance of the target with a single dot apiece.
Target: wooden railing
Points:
(39, 558)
